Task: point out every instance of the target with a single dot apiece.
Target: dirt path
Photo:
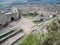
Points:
(25, 24)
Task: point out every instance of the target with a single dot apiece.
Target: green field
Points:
(30, 40)
(31, 15)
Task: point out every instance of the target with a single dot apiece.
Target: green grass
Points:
(2, 36)
(30, 40)
(31, 15)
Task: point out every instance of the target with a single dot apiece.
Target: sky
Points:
(24, 1)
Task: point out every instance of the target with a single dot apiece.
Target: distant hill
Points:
(29, 1)
(45, 1)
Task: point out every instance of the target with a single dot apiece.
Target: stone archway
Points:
(12, 19)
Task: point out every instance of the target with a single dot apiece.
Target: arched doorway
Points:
(12, 19)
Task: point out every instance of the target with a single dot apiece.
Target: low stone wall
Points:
(10, 35)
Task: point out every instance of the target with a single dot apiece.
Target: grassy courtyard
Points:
(30, 16)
